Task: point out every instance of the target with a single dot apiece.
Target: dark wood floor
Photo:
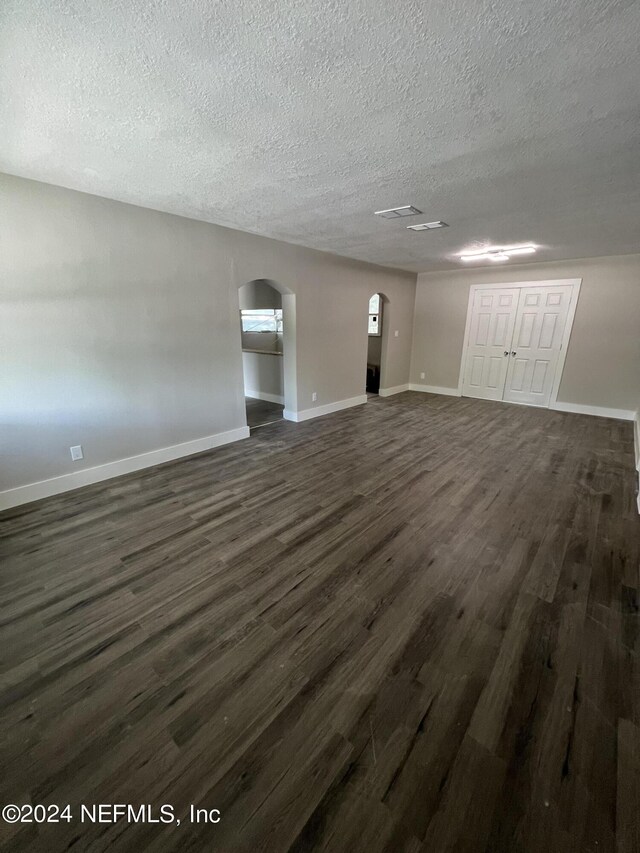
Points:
(261, 412)
(410, 626)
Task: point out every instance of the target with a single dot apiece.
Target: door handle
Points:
(513, 353)
(506, 352)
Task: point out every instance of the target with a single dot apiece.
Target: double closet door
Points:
(514, 343)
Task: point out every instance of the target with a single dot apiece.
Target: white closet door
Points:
(535, 349)
(487, 360)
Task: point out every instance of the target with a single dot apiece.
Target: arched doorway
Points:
(376, 346)
(267, 329)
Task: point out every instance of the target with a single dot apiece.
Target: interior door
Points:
(537, 339)
(487, 360)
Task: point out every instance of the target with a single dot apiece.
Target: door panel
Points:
(547, 333)
(541, 370)
(492, 323)
(535, 349)
(519, 368)
(495, 372)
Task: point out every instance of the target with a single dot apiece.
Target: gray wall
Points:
(259, 294)
(119, 327)
(603, 357)
(263, 376)
(374, 350)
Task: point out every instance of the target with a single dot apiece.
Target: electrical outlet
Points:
(396, 333)
(314, 397)
(76, 452)
(422, 376)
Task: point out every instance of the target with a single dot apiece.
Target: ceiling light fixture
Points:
(498, 253)
(520, 250)
(428, 226)
(397, 212)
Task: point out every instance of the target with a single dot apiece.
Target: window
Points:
(261, 320)
(375, 315)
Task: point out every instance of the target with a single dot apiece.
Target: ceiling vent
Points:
(397, 212)
(428, 226)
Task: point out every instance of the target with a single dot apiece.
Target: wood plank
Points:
(406, 627)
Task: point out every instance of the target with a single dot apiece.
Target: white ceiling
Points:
(512, 120)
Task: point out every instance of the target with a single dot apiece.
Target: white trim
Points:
(328, 409)
(575, 283)
(87, 476)
(395, 389)
(435, 389)
(268, 398)
(598, 411)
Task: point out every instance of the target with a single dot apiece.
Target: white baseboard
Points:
(395, 389)
(434, 389)
(329, 408)
(598, 411)
(87, 476)
(268, 398)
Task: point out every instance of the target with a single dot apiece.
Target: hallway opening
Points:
(375, 343)
(267, 328)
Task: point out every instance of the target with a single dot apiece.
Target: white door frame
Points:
(575, 283)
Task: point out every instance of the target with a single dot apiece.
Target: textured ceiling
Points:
(512, 120)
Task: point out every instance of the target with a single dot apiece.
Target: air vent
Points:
(397, 212)
(427, 226)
